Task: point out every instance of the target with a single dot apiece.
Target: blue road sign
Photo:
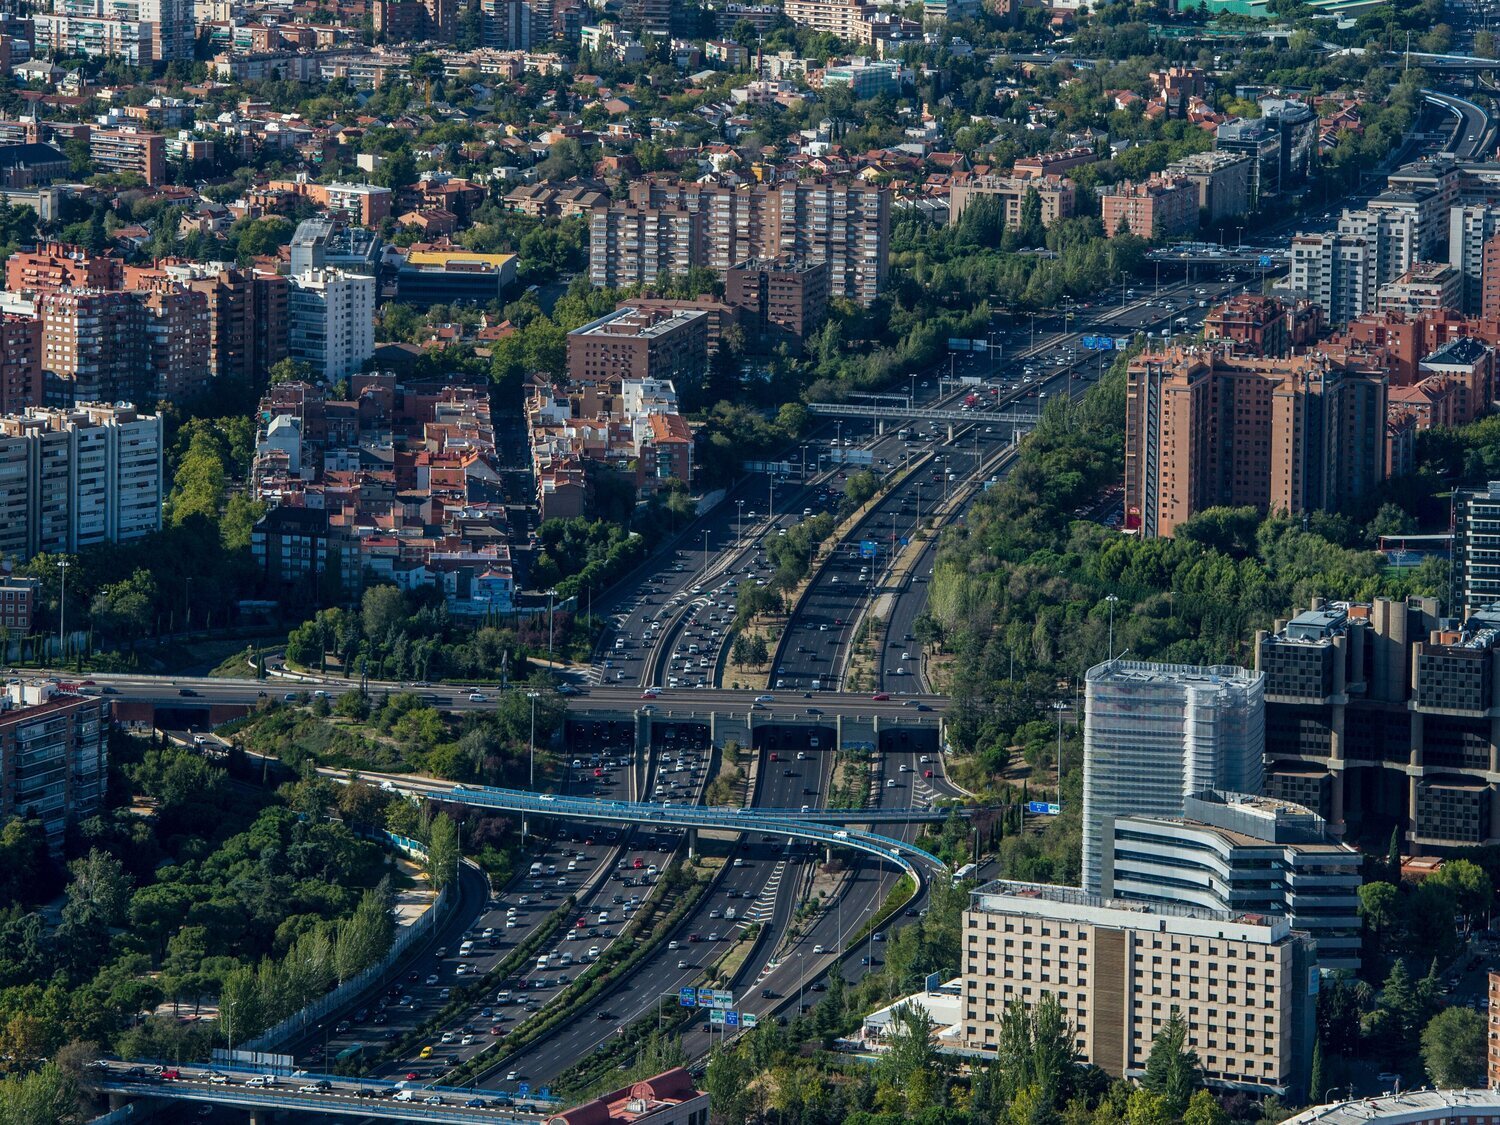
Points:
(905, 542)
(1265, 260)
(731, 1019)
(523, 1089)
(687, 997)
(1043, 808)
(1122, 343)
(868, 548)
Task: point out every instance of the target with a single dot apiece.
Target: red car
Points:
(926, 773)
(775, 757)
(881, 695)
(171, 1074)
(638, 863)
(650, 693)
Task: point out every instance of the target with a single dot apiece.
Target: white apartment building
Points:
(1155, 733)
(77, 478)
(1244, 985)
(1469, 228)
(331, 321)
(1343, 270)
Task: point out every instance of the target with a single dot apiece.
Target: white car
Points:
(477, 697)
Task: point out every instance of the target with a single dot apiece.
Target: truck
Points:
(971, 400)
(536, 869)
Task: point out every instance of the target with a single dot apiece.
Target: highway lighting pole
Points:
(550, 595)
(739, 520)
(1111, 599)
(531, 695)
(62, 613)
(1059, 707)
(705, 556)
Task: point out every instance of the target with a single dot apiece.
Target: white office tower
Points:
(1155, 733)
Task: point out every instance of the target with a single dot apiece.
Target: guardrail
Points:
(346, 1104)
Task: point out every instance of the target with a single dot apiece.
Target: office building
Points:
(1154, 733)
(846, 225)
(331, 321)
(1296, 127)
(1057, 195)
(1258, 140)
(1221, 179)
(1243, 854)
(864, 78)
(130, 151)
(783, 300)
(630, 244)
(54, 746)
(1205, 427)
(1160, 207)
(71, 479)
(632, 344)
(1378, 716)
(451, 275)
(50, 266)
(1244, 984)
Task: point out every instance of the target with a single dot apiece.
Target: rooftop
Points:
(639, 323)
(1141, 671)
(1412, 1106)
(637, 1102)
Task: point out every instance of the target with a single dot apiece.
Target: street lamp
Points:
(1111, 599)
(705, 555)
(62, 613)
(739, 519)
(1059, 707)
(533, 696)
(550, 595)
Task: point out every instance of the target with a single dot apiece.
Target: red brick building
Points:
(59, 265)
(630, 343)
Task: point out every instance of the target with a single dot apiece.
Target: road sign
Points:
(933, 981)
(1122, 343)
(687, 997)
(523, 1089)
(731, 1019)
(717, 1016)
(868, 548)
(1265, 261)
(980, 345)
(544, 1092)
(957, 345)
(1043, 808)
(905, 542)
(749, 1019)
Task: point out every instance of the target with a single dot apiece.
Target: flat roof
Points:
(444, 257)
(1414, 1105)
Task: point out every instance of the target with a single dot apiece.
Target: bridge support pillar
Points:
(117, 1101)
(879, 425)
(950, 431)
(262, 1117)
(692, 843)
(642, 732)
(828, 855)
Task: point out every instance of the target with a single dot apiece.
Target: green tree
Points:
(1454, 1048)
(442, 851)
(1172, 1069)
(1204, 1109)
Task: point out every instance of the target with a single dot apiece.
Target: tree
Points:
(290, 370)
(1317, 1081)
(1204, 1109)
(1454, 1048)
(1172, 1068)
(46, 1097)
(442, 851)
(1472, 890)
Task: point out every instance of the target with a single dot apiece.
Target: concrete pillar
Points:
(879, 426)
(950, 431)
(262, 1117)
(118, 1101)
(692, 842)
(828, 854)
(642, 731)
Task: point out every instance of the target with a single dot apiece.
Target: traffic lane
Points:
(324, 1040)
(530, 900)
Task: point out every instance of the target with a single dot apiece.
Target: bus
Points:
(965, 872)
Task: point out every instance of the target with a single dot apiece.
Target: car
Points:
(881, 696)
(478, 697)
(432, 978)
(817, 949)
(186, 691)
(512, 1076)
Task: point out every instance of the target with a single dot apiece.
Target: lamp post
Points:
(705, 556)
(550, 595)
(62, 613)
(739, 521)
(1059, 707)
(533, 696)
(1111, 599)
